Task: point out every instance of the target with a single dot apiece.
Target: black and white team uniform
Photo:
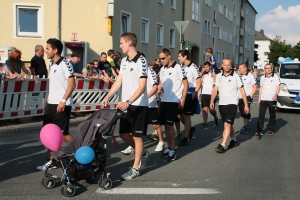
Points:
(171, 78)
(269, 86)
(249, 81)
(135, 120)
(207, 88)
(228, 95)
(60, 71)
(192, 74)
(152, 101)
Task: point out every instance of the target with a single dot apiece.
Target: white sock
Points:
(223, 145)
(161, 142)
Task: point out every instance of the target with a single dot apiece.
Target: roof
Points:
(260, 36)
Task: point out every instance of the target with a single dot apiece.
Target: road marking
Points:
(159, 191)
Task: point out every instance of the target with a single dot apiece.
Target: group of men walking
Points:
(178, 87)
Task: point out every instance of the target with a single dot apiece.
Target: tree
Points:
(278, 48)
(296, 49)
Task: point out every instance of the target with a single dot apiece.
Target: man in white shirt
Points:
(228, 83)
(173, 87)
(208, 80)
(61, 86)
(250, 87)
(133, 76)
(193, 78)
(268, 91)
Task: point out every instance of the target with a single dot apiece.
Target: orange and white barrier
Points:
(88, 95)
(28, 98)
(22, 98)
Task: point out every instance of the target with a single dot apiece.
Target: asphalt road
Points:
(265, 168)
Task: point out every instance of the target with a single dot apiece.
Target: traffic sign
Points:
(181, 25)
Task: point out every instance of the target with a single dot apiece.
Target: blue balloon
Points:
(287, 59)
(278, 62)
(84, 155)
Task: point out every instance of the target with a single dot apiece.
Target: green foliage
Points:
(278, 48)
(296, 49)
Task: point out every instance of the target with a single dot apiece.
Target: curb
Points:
(35, 126)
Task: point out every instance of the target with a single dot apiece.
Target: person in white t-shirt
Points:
(228, 83)
(133, 78)
(250, 87)
(193, 78)
(208, 80)
(173, 87)
(61, 86)
(268, 92)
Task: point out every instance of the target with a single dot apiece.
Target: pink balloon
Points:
(51, 136)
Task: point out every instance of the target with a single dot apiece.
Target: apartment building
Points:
(225, 25)
(262, 43)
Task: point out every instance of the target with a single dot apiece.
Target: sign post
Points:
(181, 26)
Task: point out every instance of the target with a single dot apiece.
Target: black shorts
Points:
(134, 121)
(60, 119)
(228, 113)
(242, 106)
(168, 113)
(205, 100)
(189, 106)
(152, 115)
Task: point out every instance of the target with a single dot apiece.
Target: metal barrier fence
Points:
(27, 98)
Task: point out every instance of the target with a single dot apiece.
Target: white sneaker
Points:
(159, 147)
(128, 150)
(46, 165)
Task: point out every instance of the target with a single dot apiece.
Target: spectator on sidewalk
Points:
(75, 59)
(104, 64)
(37, 63)
(110, 60)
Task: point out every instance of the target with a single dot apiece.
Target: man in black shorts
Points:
(250, 87)
(61, 86)
(193, 78)
(173, 87)
(208, 80)
(133, 76)
(228, 83)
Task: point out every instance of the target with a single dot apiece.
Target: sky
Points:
(278, 17)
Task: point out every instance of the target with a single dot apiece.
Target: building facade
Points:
(262, 43)
(227, 26)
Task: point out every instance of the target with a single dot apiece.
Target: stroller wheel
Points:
(101, 181)
(107, 184)
(63, 190)
(49, 182)
(70, 190)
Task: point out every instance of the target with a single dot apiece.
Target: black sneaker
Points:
(232, 144)
(192, 130)
(204, 125)
(165, 154)
(220, 149)
(172, 155)
(217, 122)
(183, 142)
(259, 134)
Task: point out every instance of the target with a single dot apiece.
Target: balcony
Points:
(242, 32)
(241, 50)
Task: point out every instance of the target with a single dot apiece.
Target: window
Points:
(237, 40)
(160, 1)
(208, 2)
(145, 31)
(173, 4)
(125, 22)
(196, 10)
(207, 27)
(238, 21)
(220, 32)
(215, 17)
(159, 35)
(28, 20)
(221, 8)
(172, 38)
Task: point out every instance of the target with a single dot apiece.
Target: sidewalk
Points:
(29, 125)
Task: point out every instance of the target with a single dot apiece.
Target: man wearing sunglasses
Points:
(173, 87)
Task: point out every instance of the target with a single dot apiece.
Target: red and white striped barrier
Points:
(22, 98)
(88, 95)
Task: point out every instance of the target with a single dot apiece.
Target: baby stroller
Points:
(91, 132)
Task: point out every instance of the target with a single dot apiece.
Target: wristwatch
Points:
(63, 100)
(129, 102)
